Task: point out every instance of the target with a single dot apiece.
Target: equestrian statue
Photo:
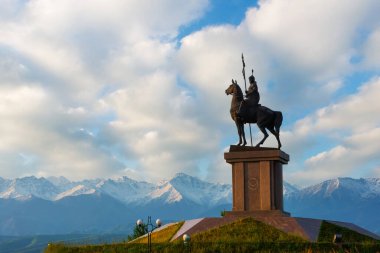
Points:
(250, 111)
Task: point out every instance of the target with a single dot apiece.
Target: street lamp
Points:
(150, 228)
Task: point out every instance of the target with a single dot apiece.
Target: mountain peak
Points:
(29, 186)
(182, 175)
(199, 191)
(28, 178)
(75, 191)
(167, 193)
(289, 188)
(124, 179)
(344, 185)
(58, 181)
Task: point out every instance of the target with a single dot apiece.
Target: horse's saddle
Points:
(249, 114)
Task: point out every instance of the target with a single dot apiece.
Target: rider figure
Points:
(252, 97)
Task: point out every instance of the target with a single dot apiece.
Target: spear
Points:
(245, 85)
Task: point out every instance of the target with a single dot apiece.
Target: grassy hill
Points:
(245, 230)
(37, 243)
(245, 235)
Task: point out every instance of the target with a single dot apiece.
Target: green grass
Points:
(245, 235)
(328, 230)
(160, 239)
(105, 248)
(37, 243)
(219, 248)
(245, 230)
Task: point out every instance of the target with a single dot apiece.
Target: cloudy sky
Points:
(136, 87)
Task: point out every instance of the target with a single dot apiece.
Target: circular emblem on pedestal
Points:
(253, 184)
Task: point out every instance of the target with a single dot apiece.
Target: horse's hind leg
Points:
(277, 126)
(262, 129)
(277, 134)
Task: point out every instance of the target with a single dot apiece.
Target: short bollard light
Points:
(337, 238)
(186, 239)
(158, 223)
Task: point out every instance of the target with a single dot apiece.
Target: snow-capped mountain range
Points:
(364, 188)
(342, 199)
(54, 205)
(31, 205)
(126, 190)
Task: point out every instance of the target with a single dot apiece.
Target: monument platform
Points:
(306, 228)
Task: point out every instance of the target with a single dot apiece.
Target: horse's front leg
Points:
(239, 132)
(243, 133)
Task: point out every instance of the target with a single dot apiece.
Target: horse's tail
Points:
(277, 121)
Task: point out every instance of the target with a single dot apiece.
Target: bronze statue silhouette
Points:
(264, 117)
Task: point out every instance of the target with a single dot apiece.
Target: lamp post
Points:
(150, 228)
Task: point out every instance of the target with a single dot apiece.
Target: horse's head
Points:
(232, 88)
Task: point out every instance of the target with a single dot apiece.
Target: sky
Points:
(103, 89)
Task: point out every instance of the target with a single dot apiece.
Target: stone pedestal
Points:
(257, 183)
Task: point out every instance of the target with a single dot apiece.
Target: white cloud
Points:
(219, 171)
(353, 125)
(372, 51)
(72, 42)
(355, 113)
(88, 72)
(317, 35)
(38, 137)
(376, 173)
(153, 125)
(303, 50)
(353, 157)
(300, 49)
(93, 88)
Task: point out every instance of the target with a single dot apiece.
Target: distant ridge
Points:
(123, 200)
(124, 189)
(342, 199)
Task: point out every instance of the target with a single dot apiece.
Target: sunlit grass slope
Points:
(138, 245)
(161, 236)
(245, 235)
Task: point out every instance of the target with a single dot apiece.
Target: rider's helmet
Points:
(251, 79)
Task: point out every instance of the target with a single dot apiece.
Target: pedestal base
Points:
(257, 183)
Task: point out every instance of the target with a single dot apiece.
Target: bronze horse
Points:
(264, 117)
